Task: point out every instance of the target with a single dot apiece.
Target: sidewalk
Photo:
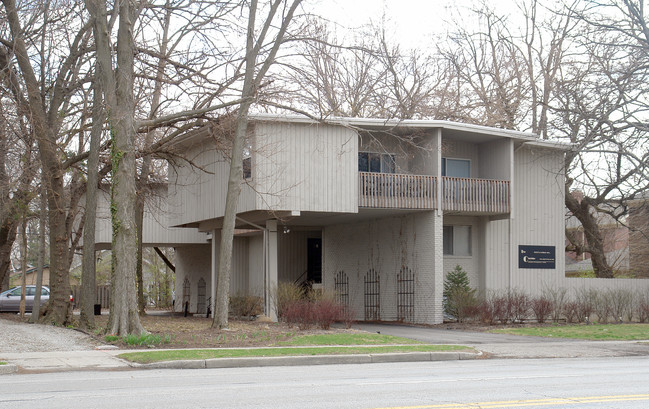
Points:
(488, 346)
(106, 359)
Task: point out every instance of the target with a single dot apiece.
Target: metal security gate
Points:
(406, 295)
(372, 296)
(186, 295)
(341, 286)
(201, 307)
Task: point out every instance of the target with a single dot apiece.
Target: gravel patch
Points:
(23, 337)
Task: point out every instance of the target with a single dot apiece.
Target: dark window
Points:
(457, 240)
(247, 168)
(376, 162)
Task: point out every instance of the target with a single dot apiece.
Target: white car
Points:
(10, 299)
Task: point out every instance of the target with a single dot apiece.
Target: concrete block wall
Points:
(387, 245)
(192, 262)
(473, 264)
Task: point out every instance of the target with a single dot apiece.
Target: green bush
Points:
(460, 299)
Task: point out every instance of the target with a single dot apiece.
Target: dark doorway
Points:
(314, 260)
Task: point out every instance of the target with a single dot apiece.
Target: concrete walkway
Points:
(513, 346)
(489, 345)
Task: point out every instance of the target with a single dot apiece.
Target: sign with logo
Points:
(536, 257)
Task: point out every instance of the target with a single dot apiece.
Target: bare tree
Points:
(47, 94)
(262, 46)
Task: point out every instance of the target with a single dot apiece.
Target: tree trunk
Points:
(46, 134)
(594, 245)
(23, 264)
(88, 262)
(252, 80)
(118, 89)
(36, 310)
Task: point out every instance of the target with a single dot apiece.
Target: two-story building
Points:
(377, 210)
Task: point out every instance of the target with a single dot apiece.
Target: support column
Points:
(216, 248)
(271, 267)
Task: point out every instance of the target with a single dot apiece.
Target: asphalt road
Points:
(548, 383)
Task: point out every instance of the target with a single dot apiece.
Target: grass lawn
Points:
(320, 344)
(145, 357)
(3, 363)
(608, 332)
(347, 339)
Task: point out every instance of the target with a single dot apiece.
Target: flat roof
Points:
(469, 132)
(386, 124)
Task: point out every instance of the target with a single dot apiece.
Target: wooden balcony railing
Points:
(475, 195)
(464, 195)
(396, 191)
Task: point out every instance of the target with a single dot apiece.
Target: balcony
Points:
(396, 191)
(483, 196)
(459, 195)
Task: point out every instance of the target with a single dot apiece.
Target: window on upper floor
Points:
(459, 168)
(376, 162)
(247, 168)
(457, 240)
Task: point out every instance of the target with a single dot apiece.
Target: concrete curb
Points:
(311, 360)
(8, 369)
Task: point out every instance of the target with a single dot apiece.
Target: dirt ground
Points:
(195, 332)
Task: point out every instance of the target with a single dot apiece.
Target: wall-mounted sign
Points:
(536, 257)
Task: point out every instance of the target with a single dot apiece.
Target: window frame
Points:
(449, 240)
(387, 162)
(444, 165)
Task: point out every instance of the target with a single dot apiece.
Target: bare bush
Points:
(246, 305)
(558, 297)
(542, 307)
(621, 302)
(586, 300)
(286, 294)
(520, 305)
(570, 309)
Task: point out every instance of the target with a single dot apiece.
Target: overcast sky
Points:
(413, 22)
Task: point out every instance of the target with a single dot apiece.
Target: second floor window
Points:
(459, 168)
(376, 162)
(247, 167)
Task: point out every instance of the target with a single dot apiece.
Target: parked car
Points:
(10, 299)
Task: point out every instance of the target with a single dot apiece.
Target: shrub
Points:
(326, 312)
(315, 308)
(299, 313)
(603, 307)
(286, 294)
(586, 300)
(246, 305)
(570, 310)
(542, 308)
(459, 298)
(496, 308)
(621, 302)
(520, 305)
(642, 308)
(558, 297)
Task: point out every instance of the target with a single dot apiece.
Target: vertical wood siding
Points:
(462, 150)
(538, 220)
(155, 225)
(305, 167)
(198, 192)
(240, 274)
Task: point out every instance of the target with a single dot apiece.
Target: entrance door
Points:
(314, 260)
